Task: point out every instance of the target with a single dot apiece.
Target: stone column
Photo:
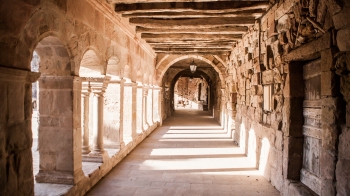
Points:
(15, 120)
(129, 111)
(60, 120)
(149, 107)
(139, 108)
(156, 104)
(112, 117)
(144, 109)
(98, 87)
(86, 90)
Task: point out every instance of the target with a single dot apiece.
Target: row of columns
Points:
(139, 112)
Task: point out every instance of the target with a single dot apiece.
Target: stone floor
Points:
(189, 155)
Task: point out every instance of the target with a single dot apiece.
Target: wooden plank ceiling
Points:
(191, 26)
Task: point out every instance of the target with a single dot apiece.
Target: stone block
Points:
(4, 101)
(294, 147)
(15, 99)
(298, 189)
(283, 8)
(267, 77)
(327, 187)
(327, 164)
(259, 90)
(296, 117)
(19, 136)
(341, 19)
(330, 110)
(310, 50)
(343, 177)
(344, 145)
(345, 86)
(327, 57)
(279, 143)
(329, 137)
(343, 39)
(328, 84)
(99, 22)
(277, 76)
(256, 79)
(247, 84)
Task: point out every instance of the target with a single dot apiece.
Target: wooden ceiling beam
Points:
(246, 13)
(209, 7)
(189, 36)
(191, 49)
(192, 23)
(155, 1)
(215, 30)
(178, 41)
(190, 46)
(193, 53)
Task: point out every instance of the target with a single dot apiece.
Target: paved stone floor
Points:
(189, 155)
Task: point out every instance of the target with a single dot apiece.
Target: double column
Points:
(98, 86)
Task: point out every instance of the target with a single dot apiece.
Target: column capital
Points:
(86, 88)
(98, 84)
(115, 79)
(145, 91)
(158, 88)
(16, 75)
(130, 83)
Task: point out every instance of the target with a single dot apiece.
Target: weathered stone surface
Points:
(343, 175)
(310, 50)
(343, 37)
(340, 19)
(328, 84)
(294, 147)
(344, 146)
(267, 77)
(298, 189)
(327, 164)
(327, 56)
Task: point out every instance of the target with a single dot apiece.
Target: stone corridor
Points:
(189, 155)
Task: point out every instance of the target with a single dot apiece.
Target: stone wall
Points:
(270, 58)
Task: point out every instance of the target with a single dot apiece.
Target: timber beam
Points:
(215, 30)
(155, 1)
(209, 7)
(192, 23)
(247, 13)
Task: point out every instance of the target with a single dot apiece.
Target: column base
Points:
(85, 150)
(58, 177)
(97, 157)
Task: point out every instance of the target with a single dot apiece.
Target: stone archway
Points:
(169, 60)
(57, 115)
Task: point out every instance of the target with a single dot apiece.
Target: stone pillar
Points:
(139, 109)
(112, 119)
(144, 110)
(156, 108)
(86, 91)
(149, 115)
(222, 109)
(129, 111)
(98, 87)
(15, 120)
(60, 120)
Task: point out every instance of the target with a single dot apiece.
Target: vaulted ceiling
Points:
(191, 26)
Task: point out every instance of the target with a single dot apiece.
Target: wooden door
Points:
(312, 129)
